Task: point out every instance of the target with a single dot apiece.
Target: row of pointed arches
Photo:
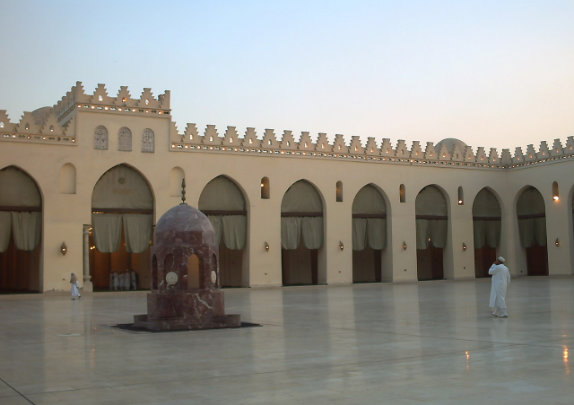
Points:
(122, 229)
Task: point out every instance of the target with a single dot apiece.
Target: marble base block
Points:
(186, 310)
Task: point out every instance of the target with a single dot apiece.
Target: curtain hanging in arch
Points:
(137, 231)
(530, 211)
(301, 217)
(18, 190)
(5, 230)
(223, 203)
(486, 214)
(118, 193)
(369, 220)
(431, 218)
(108, 231)
(359, 233)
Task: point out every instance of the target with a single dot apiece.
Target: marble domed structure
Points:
(185, 278)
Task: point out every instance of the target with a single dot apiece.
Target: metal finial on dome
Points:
(182, 191)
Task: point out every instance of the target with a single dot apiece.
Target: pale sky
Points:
(490, 73)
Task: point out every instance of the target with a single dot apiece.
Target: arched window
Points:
(148, 141)
(339, 191)
(101, 138)
(265, 191)
(460, 196)
(193, 280)
(402, 193)
(555, 192)
(125, 140)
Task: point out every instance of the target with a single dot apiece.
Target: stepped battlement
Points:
(56, 125)
(448, 152)
(99, 100)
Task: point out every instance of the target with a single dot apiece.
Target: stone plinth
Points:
(186, 311)
(185, 275)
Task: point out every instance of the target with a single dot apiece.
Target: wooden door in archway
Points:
(20, 232)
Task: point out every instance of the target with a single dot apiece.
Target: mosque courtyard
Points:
(413, 343)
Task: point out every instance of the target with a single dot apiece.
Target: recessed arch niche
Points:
(431, 228)
(20, 231)
(224, 204)
(176, 175)
(68, 179)
(122, 222)
(369, 234)
(531, 216)
(486, 218)
(301, 234)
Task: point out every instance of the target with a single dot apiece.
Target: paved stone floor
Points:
(425, 343)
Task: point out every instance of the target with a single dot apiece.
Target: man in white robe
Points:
(499, 284)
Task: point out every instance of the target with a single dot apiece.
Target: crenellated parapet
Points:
(122, 103)
(57, 125)
(449, 152)
(39, 126)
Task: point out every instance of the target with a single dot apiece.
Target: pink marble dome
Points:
(183, 224)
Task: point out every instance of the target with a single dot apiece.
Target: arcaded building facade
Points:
(82, 184)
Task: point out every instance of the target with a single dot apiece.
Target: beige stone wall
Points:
(65, 214)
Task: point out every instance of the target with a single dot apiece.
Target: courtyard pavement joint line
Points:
(16, 391)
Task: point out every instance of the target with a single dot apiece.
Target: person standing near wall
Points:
(75, 288)
(499, 284)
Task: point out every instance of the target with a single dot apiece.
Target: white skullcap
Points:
(501, 259)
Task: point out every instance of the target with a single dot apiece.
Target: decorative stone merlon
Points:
(557, 149)
(530, 154)
(543, 152)
(416, 152)
(339, 145)
(250, 139)
(57, 125)
(210, 136)
(371, 147)
(269, 141)
(231, 137)
(430, 153)
(401, 151)
(288, 142)
(386, 148)
(356, 148)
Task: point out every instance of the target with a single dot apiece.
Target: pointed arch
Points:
(122, 223)
(369, 234)
(487, 225)
(531, 217)
(302, 233)
(20, 231)
(224, 203)
(431, 210)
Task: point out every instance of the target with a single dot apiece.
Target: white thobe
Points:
(75, 289)
(499, 284)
